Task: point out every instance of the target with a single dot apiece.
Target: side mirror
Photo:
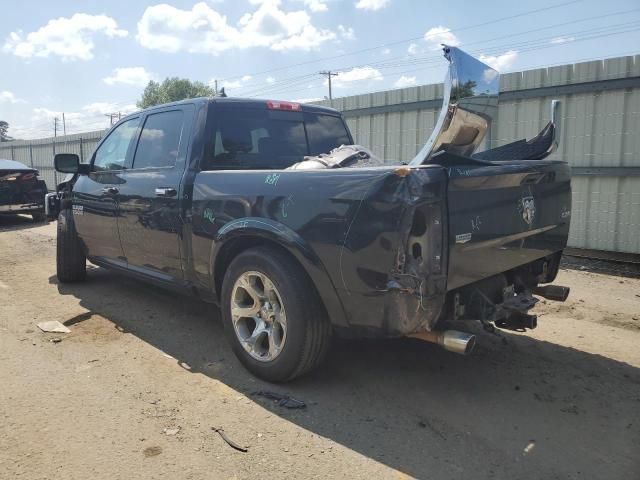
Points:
(68, 163)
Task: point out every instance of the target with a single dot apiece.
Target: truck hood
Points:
(470, 104)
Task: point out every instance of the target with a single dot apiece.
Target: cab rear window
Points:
(271, 139)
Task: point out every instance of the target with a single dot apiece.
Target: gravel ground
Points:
(136, 387)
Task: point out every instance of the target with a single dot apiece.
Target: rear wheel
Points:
(273, 316)
(71, 262)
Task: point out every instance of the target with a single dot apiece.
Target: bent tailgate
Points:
(505, 215)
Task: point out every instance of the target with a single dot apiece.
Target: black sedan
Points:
(21, 190)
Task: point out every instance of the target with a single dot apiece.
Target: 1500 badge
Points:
(77, 209)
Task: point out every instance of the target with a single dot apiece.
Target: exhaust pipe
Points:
(552, 292)
(452, 340)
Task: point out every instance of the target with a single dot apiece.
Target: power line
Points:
(524, 46)
(421, 62)
(437, 58)
(399, 42)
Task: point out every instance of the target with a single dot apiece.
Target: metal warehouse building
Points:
(599, 137)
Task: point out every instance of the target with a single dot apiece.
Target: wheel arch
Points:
(239, 236)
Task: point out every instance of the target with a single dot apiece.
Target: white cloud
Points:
(226, 84)
(500, 62)
(413, 49)
(371, 4)
(69, 38)
(231, 84)
(346, 32)
(73, 120)
(271, 80)
(357, 74)
(404, 82)
(89, 117)
(8, 97)
(559, 40)
(386, 51)
(436, 36)
(104, 108)
(203, 30)
(100, 108)
(136, 76)
(307, 100)
(316, 5)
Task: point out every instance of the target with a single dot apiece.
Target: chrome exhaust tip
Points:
(452, 340)
(457, 342)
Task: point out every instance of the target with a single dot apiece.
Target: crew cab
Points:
(254, 205)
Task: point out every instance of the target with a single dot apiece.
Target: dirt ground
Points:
(136, 387)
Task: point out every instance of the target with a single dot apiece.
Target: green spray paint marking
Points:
(208, 215)
(272, 179)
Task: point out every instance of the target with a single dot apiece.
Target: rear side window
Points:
(112, 153)
(267, 139)
(160, 138)
(325, 132)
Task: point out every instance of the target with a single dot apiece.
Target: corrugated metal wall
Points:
(39, 153)
(600, 128)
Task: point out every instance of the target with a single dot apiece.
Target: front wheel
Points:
(71, 262)
(273, 316)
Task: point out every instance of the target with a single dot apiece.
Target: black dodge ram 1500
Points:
(240, 202)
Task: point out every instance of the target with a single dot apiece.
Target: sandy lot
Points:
(136, 387)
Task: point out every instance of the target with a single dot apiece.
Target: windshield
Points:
(246, 138)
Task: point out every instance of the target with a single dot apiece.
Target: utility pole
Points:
(64, 125)
(112, 116)
(215, 88)
(329, 74)
(55, 126)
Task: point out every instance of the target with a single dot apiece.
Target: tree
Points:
(4, 128)
(172, 90)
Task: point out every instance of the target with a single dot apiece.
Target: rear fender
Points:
(267, 231)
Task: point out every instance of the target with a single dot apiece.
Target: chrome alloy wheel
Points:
(258, 316)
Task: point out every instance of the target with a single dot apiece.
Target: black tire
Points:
(38, 217)
(71, 262)
(308, 332)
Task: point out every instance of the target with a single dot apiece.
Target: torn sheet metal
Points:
(469, 107)
(345, 156)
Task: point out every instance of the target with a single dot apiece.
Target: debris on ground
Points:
(171, 431)
(56, 340)
(230, 442)
(53, 326)
(530, 447)
(424, 423)
(282, 400)
(152, 451)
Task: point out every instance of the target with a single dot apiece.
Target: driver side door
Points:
(95, 206)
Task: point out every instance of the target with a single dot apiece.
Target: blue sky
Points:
(90, 58)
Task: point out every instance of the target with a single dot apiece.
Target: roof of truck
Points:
(249, 102)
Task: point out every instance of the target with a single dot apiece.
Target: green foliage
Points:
(4, 129)
(172, 90)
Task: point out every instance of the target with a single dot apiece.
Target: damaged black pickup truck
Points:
(268, 209)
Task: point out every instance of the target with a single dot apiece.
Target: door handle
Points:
(166, 192)
(110, 190)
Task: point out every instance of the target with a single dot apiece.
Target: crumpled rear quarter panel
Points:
(355, 221)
